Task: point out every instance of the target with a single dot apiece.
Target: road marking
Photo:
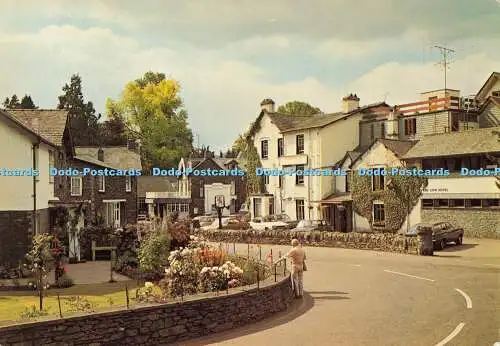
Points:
(408, 275)
(493, 265)
(452, 335)
(468, 301)
(356, 265)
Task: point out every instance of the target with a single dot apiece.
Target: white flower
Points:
(167, 271)
(30, 284)
(35, 265)
(149, 284)
(205, 269)
(215, 268)
(226, 272)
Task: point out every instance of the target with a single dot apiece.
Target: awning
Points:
(113, 200)
(460, 195)
(336, 199)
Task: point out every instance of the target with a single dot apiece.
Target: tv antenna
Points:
(445, 60)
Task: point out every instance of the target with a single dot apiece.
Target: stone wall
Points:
(476, 223)
(160, 324)
(369, 241)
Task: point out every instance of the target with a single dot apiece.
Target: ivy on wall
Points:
(252, 162)
(400, 196)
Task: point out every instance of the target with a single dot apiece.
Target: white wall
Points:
(377, 156)
(473, 186)
(17, 154)
(414, 217)
(215, 189)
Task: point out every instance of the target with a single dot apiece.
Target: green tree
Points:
(12, 103)
(252, 161)
(83, 119)
(298, 108)
(27, 103)
(113, 131)
(240, 143)
(154, 113)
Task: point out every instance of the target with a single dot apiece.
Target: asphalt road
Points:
(357, 297)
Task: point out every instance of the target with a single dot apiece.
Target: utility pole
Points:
(445, 62)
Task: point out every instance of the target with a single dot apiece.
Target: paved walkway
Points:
(356, 297)
(92, 273)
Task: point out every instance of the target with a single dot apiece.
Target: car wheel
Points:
(442, 244)
(459, 240)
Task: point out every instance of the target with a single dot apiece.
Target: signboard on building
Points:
(219, 201)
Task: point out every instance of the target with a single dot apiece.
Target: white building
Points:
(26, 146)
(303, 142)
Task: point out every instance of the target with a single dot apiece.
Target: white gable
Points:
(377, 156)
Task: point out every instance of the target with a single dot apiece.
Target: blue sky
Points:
(229, 55)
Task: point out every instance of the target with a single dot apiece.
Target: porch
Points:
(337, 211)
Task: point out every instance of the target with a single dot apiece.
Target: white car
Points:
(268, 222)
(215, 223)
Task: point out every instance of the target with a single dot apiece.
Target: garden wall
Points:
(369, 241)
(160, 324)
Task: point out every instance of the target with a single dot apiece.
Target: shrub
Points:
(31, 312)
(102, 234)
(210, 257)
(127, 241)
(64, 281)
(79, 304)
(181, 277)
(220, 278)
(153, 252)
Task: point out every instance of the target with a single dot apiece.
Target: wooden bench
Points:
(111, 249)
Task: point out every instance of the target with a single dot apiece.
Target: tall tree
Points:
(12, 103)
(154, 113)
(83, 119)
(27, 102)
(298, 108)
(239, 144)
(112, 131)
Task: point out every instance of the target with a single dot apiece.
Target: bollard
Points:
(127, 297)
(275, 273)
(284, 267)
(260, 253)
(59, 302)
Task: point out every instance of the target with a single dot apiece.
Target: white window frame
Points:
(298, 207)
(128, 183)
(101, 181)
(233, 188)
(266, 142)
(373, 210)
(373, 182)
(80, 180)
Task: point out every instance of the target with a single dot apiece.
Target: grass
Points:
(12, 304)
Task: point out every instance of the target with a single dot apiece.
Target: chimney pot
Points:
(100, 154)
(267, 105)
(350, 103)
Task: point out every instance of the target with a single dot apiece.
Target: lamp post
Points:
(220, 204)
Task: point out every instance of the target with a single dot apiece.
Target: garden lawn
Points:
(107, 295)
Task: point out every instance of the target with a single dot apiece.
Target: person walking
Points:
(297, 256)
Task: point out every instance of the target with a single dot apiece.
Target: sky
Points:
(229, 55)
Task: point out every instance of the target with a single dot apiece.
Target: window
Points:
(76, 186)
(263, 149)
(491, 203)
(299, 209)
(443, 203)
(455, 123)
(347, 177)
(427, 203)
(257, 207)
(265, 179)
(101, 183)
(202, 188)
(112, 214)
(378, 214)
(184, 208)
(281, 148)
(128, 183)
(233, 188)
(457, 203)
(378, 182)
(382, 130)
(51, 165)
(299, 175)
(271, 206)
(280, 181)
(372, 132)
(475, 162)
(410, 127)
(299, 142)
(496, 93)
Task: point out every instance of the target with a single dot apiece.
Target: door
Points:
(116, 214)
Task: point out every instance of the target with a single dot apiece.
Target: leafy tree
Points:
(252, 161)
(240, 143)
(27, 103)
(113, 131)
(83, 120)
(41, 261)
(12, 103)
(154, 112)
(298, 108)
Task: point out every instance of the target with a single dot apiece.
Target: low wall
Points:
(159, 324)
(368, 241)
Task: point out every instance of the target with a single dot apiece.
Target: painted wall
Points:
(215, 189)
(17, 153)
(465, 186)
(378, 156)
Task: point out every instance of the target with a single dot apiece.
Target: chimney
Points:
(392, 125)
(267, 105)
(100, 154)
(350, 103)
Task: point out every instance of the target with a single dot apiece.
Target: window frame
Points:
(410, 126)
(299, 139)
(128, 183)
(299, 179)
(101, 183)
(264, 143)
(300, 206)
(375, 212)
(281, 147)
(380, 186)
(80, 180)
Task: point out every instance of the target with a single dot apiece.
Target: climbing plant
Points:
(252, 162)
(400, 196)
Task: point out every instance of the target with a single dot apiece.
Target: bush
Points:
(153, 252)
(250, 268)
(79, 304)
(32, 312)
(102, 234)
(64, 281)
(127, 241)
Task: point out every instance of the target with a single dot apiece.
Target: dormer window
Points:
(496, 93)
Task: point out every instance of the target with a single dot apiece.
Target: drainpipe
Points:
(35, 148)
(309, 205)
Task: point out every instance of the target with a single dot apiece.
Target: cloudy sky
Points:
(231, 54)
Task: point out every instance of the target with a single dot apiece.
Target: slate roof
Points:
(485, 140)
(398, 147)
(155, 184)
(287, 122)
(117, 157)
(48, 123)
(493, 76)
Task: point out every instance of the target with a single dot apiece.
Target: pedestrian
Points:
(297, 256)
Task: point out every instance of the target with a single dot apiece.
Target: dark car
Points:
(442, 233)
(311, 225)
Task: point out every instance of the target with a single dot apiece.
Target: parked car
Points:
(311, 225)
(286, 219)
(442, 233)
(267, 222)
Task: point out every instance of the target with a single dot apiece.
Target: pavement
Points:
(95, 272)
(359, 297)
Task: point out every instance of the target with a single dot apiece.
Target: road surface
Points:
(357, 297)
